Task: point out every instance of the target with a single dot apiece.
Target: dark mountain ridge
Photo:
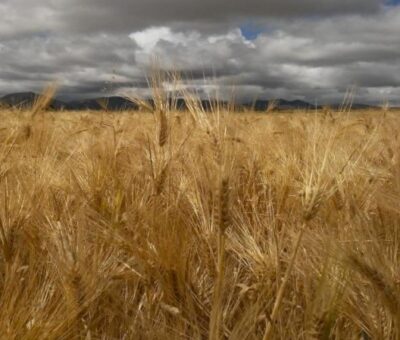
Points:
(114, 103)
(24, 100)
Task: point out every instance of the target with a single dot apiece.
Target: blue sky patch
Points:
(251, 31)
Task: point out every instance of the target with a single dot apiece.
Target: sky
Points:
(314, 50)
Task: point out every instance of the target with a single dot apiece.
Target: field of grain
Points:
(199, 225)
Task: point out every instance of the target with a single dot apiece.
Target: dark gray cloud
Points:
(121, 15)
(21, 17)
(307, 49)
(71, 61)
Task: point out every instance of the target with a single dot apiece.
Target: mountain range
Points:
(27, 99)
(115, 103)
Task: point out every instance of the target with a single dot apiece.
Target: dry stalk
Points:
(223, 224)
(282, 288)
(313, 199)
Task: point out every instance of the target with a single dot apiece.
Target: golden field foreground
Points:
(194, 225)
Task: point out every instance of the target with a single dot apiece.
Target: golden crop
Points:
(196, 225)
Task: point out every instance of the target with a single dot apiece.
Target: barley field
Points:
(199, 225)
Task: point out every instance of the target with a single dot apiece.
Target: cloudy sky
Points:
(295, 49)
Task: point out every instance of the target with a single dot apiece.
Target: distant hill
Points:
(115, 103)
(109, 103)
(27, 99)
(280, 104)
(354, 106)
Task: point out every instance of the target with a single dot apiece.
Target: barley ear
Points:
(163, 134)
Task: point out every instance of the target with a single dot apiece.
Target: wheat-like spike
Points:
(7, 241)
(312, 202)
(163, 133)
(223, 224)
(381, 321)
(27, 131)
(224, 214)
(391, 296)
(43, 101)
(77, 289)
(160, 180)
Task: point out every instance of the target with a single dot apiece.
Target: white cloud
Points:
(149, 38)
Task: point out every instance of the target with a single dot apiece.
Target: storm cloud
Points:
(308, 49)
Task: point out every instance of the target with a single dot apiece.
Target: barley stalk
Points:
(216, 321)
